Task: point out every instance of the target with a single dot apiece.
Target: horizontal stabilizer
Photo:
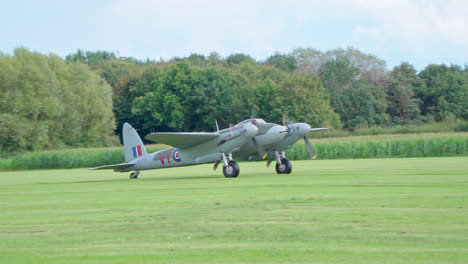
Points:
(182, 140)
(114, 166)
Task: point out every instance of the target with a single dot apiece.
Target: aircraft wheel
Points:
(232, 170)
(284, 167)
(133, 175)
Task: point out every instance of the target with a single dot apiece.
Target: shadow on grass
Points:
(126, 178)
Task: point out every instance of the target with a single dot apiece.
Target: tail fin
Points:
(133, 146)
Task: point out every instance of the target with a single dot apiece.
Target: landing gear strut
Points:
(134, 175)
(230, 168)
(283, 165)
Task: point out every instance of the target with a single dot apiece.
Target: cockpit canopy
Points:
(255, 121)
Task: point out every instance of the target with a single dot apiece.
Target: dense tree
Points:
(212, 98)
(197, 59)
(184, 97)
(122, 75)
(348, 76)
(93, 59)
(338, 75)
(47, 103)
(308, 61)
(445, 94)
(371, 68)
(283, 62)
(453, 104)
(303, 98)
(238, 58)
(356, 101)
(168, 101)
(404, 107)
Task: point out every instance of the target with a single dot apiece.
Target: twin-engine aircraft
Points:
(251, 139)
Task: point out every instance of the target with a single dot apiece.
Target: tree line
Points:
(47, 103)
(84, 99)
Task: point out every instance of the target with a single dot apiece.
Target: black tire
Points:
(232, 170)
(285, 167)
(133, 175)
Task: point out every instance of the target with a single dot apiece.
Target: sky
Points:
(419, 32)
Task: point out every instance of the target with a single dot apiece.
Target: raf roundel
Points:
(175, 156)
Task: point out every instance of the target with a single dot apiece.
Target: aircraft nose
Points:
(250, 131)
(302, 129)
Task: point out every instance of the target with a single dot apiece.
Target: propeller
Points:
(260, 149)
(310, 148)
(288, 121)
(254, 112)
(226, 138)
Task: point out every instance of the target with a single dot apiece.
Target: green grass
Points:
(327, 211)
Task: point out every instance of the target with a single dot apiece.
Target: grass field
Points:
(327, 211)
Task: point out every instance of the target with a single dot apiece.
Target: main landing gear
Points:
(230, 167)
(134, 175)
(283, 165)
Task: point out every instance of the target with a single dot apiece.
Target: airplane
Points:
(251, 139)
(258, 149)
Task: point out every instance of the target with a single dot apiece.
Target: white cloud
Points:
(416, 23)
(401, 29)
(203, 26)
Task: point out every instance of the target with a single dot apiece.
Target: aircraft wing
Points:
(182, 139)
(319, 128)
(114, 166)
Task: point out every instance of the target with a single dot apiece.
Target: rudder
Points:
(133, 146)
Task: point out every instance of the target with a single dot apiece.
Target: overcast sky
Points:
(418, 32)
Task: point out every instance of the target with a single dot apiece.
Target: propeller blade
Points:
(254, 112)
(309, 116)
(260, 149)
(310, 148)
(287, 120)
(217, 127)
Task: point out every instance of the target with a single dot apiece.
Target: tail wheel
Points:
(284, 167)
(232, 170)
(134, 175)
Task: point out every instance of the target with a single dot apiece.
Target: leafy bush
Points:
(416, 145)
(70, 158)
(462, 126)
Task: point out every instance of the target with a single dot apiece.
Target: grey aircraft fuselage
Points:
(228, 141)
